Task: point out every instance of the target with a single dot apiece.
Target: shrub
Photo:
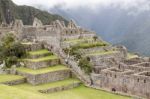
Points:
(11, 50)
(85, 65)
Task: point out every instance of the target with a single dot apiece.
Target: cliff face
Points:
(10, 11)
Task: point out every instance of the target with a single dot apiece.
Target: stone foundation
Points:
(42, 64)
(60, 88)
(36, 79)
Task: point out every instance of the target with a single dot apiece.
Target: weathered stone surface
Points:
(60, 88)
(36, 79)
(42, 64)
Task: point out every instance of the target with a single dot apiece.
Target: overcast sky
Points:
(125, 4)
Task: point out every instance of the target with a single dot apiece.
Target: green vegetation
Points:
(130, 56)
(81, 92)
(90, 45)
(101, 53)
(25, 13)
(47, 85)
(43, 70)
(7, 77)
(40, 52)
(27, 43)
(46, 58)
(9, 92)
(11, 50)
(79, 40)
(85, 64)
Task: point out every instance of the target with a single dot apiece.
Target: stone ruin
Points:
(112, 71)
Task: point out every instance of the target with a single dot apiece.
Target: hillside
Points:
(115, 25)
(10, 11)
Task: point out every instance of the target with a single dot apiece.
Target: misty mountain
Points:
(118, 26)
(10, 11)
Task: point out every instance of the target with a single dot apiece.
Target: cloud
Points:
(91, 3)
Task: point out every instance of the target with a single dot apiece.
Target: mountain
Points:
(10, 11)
(130, 27)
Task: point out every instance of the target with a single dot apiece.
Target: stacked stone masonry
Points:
(112, 71)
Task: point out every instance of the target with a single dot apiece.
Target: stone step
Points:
(32, 46)
(9, 79)
(50, 87)
(42, 62)
(68, 86)
(72, 42)
(39, 53)
(45, 75)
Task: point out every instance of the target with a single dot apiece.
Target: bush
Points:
(11, 50)
(11, 61)
(85, 65)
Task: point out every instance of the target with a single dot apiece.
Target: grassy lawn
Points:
(130, 56)
(40, 52)
(27, 43)
(26, 86)
(43, 70)
(81, 92)
(5, 77)
(78, 40)
(9, 92)
(46, 58)
(101, 53)
(90, 45)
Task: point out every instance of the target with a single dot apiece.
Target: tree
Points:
(85, 65)
(11, 50)
(95, 38)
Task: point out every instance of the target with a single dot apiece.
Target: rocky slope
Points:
(10, 11)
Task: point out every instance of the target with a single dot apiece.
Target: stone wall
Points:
(42, 64)
(60, 88)
(123, 81)
(15, 82)
(36, 79)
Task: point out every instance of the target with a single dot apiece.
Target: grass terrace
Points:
(27, 43)
(46, 58)
(80, 92)
(90, 45)
(130, 56)
(101, 53)
(9, 92)
(47, 85)
(78, 40)
(7, 77)
(40, 52)
(43, 70)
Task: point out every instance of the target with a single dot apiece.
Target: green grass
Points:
(78, 40)
(46, 58)
(40, 52)
(130, 56)
(9, 92)
(91, 45)
(43, 70)
(81, 92)
(7, 77)
(27, 43)
(101, 53)
(47, 85)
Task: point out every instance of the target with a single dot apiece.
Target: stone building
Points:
(112, 70)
